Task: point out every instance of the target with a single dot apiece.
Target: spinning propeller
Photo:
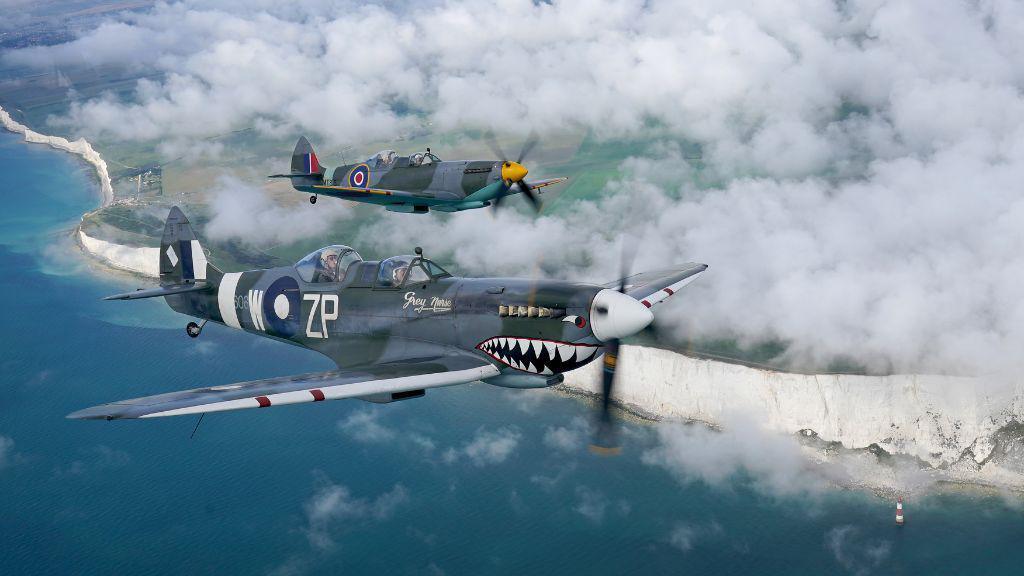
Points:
(614, 314)
(513, 173)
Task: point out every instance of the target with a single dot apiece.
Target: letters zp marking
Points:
(327, 305)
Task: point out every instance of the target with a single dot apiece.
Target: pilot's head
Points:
(398, 276)
(329, 263)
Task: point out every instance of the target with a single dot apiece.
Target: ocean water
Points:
(459, 482)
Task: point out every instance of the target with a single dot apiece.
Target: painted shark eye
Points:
(579, 321)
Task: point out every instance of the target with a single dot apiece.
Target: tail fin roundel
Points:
(304, 160)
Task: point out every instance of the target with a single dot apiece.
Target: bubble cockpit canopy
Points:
(407, 269)
(382, 159)
(421, 159)
(327, 264)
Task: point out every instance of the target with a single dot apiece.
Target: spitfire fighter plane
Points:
(394, 327)
(415, 184)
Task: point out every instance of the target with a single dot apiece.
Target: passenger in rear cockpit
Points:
(399, 275)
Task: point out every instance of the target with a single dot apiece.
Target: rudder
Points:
(182, 259)
(304, 160)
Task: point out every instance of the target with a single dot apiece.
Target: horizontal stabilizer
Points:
(161, 291)
(295, 176)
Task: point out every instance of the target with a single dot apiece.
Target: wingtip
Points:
(93, 413)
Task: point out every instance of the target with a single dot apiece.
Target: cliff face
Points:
(966, 426)
(80, 147)
(144, 261)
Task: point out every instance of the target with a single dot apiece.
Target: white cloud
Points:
(685, 536)
(549, 482)
(694, 452)
(97, 459)
(240, 211)
(571, 438)
(590, 503)
(365, 426)
(861, 160)
(487, 447)
(857, 553)
(593, 505)
(334, 503)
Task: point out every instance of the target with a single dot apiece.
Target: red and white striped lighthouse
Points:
(899, 512)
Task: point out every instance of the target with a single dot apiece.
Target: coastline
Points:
(143, 261)
(956, 430)
(80, 147)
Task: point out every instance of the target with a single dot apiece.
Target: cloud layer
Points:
(859, 189)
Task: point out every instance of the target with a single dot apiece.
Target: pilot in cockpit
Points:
(327, 270)
(398, 276)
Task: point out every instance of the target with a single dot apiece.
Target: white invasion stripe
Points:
(254, 309)
(252, 318)
(198, 261)
(259, 310)
(226, 299)
(341, 391)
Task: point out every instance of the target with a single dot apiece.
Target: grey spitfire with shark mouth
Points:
(537, 356)
(394, 328)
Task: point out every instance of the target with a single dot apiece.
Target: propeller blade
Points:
(528, 192)
(492, 143)
(528, 146)
(606, 437)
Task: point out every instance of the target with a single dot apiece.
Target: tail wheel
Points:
(193, 329)
(312, 199)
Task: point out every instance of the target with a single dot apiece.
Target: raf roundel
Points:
(359, 176)
(281, 307)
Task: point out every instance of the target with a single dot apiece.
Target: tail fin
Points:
(304, 160)
(182, 259)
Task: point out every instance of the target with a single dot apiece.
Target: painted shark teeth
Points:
(537, 356)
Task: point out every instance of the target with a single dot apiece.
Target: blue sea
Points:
(467, 480)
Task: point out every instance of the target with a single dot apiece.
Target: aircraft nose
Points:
(513, 171)
(615, 315)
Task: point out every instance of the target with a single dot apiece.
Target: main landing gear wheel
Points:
(312, 199)
(193, 329)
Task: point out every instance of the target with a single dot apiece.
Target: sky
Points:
(864, 157)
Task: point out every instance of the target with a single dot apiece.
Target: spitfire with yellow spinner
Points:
(417, 183)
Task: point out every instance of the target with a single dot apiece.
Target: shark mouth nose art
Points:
(538, 356)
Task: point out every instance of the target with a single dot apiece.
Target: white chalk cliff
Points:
(140, 260)
(967, 427)
(80, 147)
